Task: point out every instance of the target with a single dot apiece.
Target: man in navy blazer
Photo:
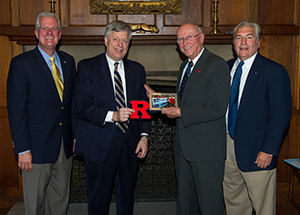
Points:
(111, 153)
(43, 124)
(263, 117)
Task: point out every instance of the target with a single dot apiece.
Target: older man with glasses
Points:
(200, 142)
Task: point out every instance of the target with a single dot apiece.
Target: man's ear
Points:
(105, 40)
(59, 36)
(36, 34)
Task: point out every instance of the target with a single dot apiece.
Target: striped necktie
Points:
(233, 102)
(57, 78)
(120, 98)
(185, 78)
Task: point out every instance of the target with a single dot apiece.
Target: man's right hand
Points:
(122, 115)
(25, 162)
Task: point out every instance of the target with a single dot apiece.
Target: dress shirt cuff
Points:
(144, 134)
(20, 153)
(109, 116)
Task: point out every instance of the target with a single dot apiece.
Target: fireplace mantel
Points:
(95, 35)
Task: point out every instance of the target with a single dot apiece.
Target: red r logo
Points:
(143, 110)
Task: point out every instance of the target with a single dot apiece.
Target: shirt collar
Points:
(198, 56)
(247, 63)
(47, 57)
(111, 62)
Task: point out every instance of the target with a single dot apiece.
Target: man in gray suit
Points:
(200, 143)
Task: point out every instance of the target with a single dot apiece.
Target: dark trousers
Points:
(199, 186)
(118, 169)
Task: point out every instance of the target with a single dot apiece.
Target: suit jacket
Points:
(38, 119)
(95, 96)
(201, 129)
(264, 113)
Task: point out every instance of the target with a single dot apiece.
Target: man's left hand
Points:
(263, 160)
(142, 148)
(172, 112)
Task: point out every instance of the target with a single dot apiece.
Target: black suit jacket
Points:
(264, 113)
(94, 95)
(38, 119)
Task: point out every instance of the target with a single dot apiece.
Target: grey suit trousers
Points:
(199, 186)
(46, 188)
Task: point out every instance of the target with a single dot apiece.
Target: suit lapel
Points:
(180, 74)
(65, 70)
(197, 72)
(129, 80)
(250, 82)
(106, 79)
(45, 69)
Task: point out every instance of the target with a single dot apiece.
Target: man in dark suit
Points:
(42, 120)
(259, 114)
(200, 142)
(108, 139)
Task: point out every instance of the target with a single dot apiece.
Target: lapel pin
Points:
(198, 70)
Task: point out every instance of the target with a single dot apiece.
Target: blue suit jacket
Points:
(94, 95)
(264, 113)
(38, 119)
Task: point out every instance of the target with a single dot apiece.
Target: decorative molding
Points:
(135, 7)
(24, 35)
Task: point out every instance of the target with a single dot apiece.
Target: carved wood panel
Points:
(80, 14)
(192, 11)
(29, 10)
(5, 53)
(232, 11)
(9, 171)
(279, 12)
(5, 17)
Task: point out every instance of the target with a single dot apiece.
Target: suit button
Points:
(62, 107)
(60, 123)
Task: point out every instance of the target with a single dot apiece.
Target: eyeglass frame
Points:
(181, 39)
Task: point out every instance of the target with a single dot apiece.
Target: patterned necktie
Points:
(185, 78)
(120, 98)
(234, 95)
(57, 78)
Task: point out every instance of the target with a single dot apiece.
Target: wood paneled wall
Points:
(280, 41)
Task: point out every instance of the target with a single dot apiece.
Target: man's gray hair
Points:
(46, 14)
(246, 23)
(117, 26)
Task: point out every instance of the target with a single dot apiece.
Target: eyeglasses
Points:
(181, 39)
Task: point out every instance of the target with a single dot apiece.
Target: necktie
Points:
(120, 98)
(57, 78)
(234, 95)
(185, 78)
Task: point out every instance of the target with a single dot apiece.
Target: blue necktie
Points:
(120, 98)
(234, 95)
(185, 78)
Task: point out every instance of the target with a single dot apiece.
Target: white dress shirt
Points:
(121, 70)
(245, 71)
